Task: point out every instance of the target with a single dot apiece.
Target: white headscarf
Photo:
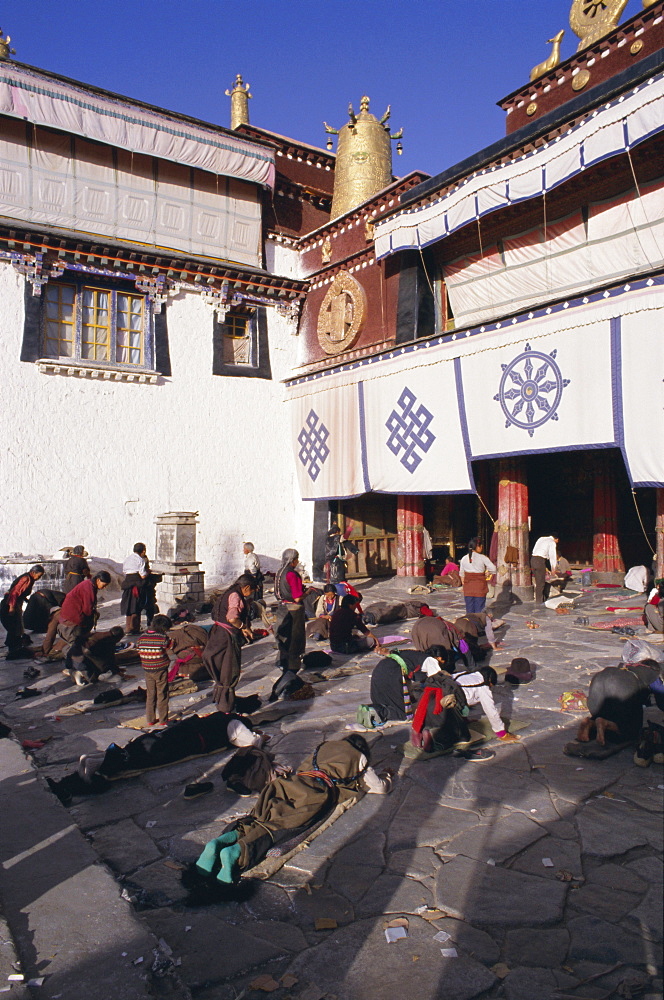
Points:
(430, 666)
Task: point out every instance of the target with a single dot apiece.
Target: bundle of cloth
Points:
(336, 772)
(195, 736)
(388, 612)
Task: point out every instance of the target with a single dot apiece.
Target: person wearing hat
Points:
(76, 569)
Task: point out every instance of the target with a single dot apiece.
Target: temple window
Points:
(240, 344)
(99, 325)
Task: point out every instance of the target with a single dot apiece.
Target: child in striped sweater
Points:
(152, 647)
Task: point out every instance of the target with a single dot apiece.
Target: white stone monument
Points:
(175, 560)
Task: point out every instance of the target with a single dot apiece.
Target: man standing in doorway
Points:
(544, 550)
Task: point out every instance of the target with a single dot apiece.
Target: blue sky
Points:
(441, 65)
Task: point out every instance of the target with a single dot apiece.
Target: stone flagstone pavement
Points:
(457, 849)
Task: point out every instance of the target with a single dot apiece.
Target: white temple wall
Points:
(93, 462)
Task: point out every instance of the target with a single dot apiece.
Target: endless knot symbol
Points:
(530, 390)
(409, 430)
(313, 451)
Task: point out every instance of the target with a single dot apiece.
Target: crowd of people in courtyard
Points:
(431, 687)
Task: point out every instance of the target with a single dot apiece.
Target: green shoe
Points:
(212, 850)
(228, 858)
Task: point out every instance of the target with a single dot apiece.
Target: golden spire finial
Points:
(552, 61)
(592, 19)
(5, 51)
(364, 157)
(239, 96)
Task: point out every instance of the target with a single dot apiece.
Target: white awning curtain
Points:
(38, 98)
(611, 129)
(620, 238)
(582, 375)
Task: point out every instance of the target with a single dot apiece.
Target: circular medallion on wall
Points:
(342, 314)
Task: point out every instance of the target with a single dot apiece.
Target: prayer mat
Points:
(625, 608)
(142, 723)
(594, 750)
(617, 623)
(280, 855)
(483, 726)
(415, 753)
(81, 707)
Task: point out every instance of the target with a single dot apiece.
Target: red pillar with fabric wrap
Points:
(608, 565)
(659, 532)
(512, 528)
(410, 548)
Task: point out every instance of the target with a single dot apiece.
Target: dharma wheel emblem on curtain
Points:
(342, 314)
(530, 390)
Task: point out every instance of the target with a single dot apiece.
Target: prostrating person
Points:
(289, 632)
(221, 656)
(433, 631)
(192, 737)
(544, 550)
(76, 569)
(439, 719)
(78, 618)
(348, 633)
(11, 611)
(399, 678)
(473, 570)
(336, 772)
(477, 685)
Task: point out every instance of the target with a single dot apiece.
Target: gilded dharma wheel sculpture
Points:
(342, 314)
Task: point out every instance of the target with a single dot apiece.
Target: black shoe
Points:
(197, 788)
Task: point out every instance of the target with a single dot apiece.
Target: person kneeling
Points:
(345, 625)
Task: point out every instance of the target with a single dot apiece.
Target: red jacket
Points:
(79, 605)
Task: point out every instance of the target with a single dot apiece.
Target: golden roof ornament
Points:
(552, 61)
(5, 51)
(239, 96)
(364, 157)
(592, 19)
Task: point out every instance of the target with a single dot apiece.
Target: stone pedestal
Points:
(608, 565)
(16, 564)
(410, 541)
(512, 528)
(175, 549)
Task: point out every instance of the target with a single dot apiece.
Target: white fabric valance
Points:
(607, 131)
(573, 377)
(621, 238)
(38, 98)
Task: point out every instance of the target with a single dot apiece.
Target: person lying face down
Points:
(193, 737)
(336, 772)
(616, 698)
